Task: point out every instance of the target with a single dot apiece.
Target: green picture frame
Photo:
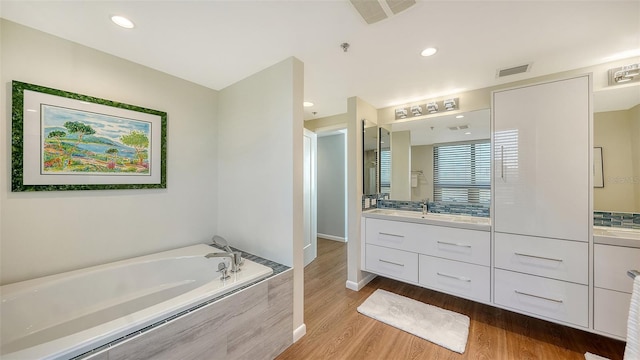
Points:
(64, 141)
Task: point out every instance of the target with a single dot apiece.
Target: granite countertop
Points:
(448, 220)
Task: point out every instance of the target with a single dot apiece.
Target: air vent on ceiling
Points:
(459, 127)
(373, 11)
(513, 70)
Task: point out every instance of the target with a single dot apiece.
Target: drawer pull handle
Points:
(454, 277)
(454, 244)
(538, 296)
(390, 262)
(400, 236)
(538, 257)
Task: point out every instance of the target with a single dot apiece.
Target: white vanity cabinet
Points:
(445, 258)
(540, 192)
(612, 292)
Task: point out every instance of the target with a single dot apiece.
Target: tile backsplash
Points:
(439, 208)
(616, 219)
(600, 218)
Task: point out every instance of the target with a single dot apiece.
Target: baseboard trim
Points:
(351, 285)
(299, 332)
(332, 237)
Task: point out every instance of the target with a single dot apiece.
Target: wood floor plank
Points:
(335, 329)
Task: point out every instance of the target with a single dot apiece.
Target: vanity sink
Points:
(617, 232)
(431, 218)
(616, 236)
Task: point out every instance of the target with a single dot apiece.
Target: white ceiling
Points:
(216, 43)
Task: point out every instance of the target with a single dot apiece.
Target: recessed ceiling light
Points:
(429, 51)
(122, 21)
(468, 133)
(307, 104)
(459, 116)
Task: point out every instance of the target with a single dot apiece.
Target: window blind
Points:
(385, 171)
(462, 172)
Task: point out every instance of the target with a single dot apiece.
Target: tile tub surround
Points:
(196, 333)
(479, 210)
(625, 220)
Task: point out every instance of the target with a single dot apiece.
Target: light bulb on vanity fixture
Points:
(432, 107)
(416, 110)
(401, 113)
(451, 104)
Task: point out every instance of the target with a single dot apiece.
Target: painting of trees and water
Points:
(81, 142)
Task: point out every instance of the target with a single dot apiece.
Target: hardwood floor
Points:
(335, 330)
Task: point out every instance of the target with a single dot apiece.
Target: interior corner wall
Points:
(357, 110)
(54, 231)
(331, 186)
(255, 168)
(260, 167)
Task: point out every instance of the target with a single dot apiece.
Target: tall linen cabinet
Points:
(541, 191)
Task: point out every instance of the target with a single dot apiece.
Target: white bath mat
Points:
(443, 327)
(590, 356)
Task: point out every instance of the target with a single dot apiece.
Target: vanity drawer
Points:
(470, 246)
(394, 234)
(467, 280)
(557, 259)
(554, 299)
(610, 311)
(611, 264)
(398, 264)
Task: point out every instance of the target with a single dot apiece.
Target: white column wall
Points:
(260, 168)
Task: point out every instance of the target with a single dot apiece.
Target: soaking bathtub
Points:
(66, 315)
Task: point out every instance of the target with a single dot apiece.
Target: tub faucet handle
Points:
(223, 269)
(238, 261)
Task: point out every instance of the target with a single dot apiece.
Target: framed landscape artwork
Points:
(68, 141)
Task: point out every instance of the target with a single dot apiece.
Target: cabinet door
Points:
(610, 311)
(541, 159)
(611, 264)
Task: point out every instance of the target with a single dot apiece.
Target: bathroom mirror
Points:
(616, 130)
(460, 144)
(369, 158)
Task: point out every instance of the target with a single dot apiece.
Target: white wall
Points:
(49, 232)
(260, 167)
(331, 187)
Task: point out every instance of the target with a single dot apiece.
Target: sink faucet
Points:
(425, 206)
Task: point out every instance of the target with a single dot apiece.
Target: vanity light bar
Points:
(430, 107)
(624, 74)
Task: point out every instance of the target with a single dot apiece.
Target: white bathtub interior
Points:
(70, 313)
